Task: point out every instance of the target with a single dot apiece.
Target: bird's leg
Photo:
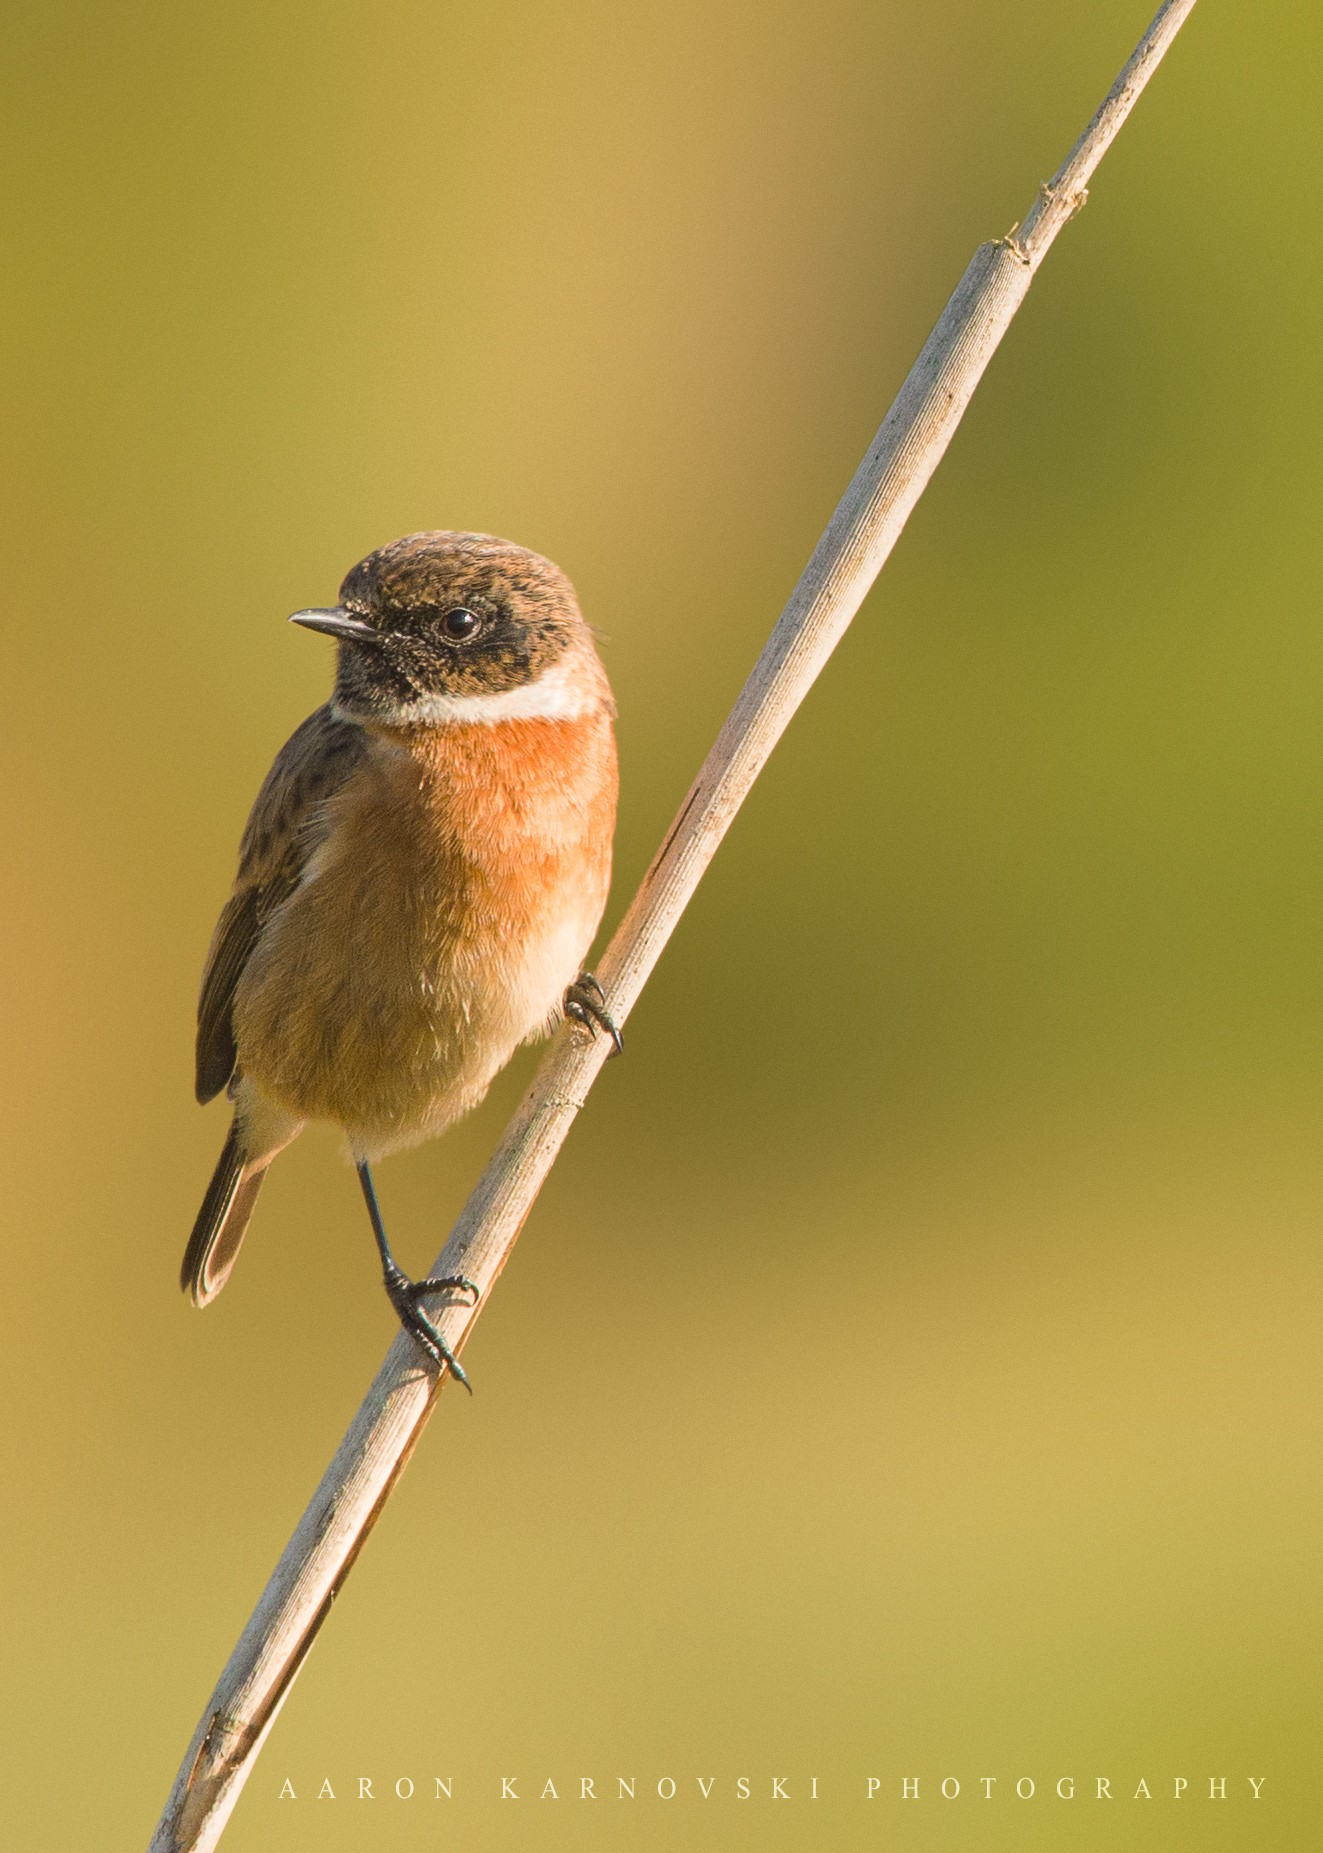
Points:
(585, 1002)
(405, 1294)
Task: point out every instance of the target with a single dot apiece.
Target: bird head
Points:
(442, 627)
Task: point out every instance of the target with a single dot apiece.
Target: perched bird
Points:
(419, 882)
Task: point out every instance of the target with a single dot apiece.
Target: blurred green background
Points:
(912, 1366)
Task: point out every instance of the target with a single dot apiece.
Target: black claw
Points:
(443, 1283)
(404, 1296)
(585, 1002)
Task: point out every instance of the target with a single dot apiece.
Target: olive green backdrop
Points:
(912, 1366)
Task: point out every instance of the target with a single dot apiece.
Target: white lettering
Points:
(625, 1787)
(909, 1788)
(1066, 1788)
(1142, 1792)
(508, 1791)
(1217, 1788)
(587, 1793)
(707, 1784)
(404, 1792)
(549, 1792)
(287, 1792)
(950, 1788)
(1256, 1783)
(1104, 1788)
(742, 1788)
(365, 1789)
(326, 1793)
(987, 1782)
(1023, 1792)
(666, 1788)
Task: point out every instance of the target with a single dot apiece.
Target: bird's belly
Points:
(386, 996)
(397, 1034)
(457, 886)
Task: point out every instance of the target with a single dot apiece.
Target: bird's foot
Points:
(406, 1296)
(586, 1004)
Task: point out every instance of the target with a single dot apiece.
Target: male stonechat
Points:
(419, 882)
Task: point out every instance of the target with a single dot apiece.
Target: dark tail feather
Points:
(213, 1247)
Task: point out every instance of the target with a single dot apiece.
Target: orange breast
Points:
(460, 883)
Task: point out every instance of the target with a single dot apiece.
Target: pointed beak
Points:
(336, 622)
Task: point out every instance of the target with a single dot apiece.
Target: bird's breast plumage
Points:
(454, 883)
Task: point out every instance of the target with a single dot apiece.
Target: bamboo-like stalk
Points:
(845, 562)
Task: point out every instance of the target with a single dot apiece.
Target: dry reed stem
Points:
(845, 562)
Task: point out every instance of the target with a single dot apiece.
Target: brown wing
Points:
(280, 835)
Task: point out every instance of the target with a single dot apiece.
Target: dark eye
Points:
(461, 624)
